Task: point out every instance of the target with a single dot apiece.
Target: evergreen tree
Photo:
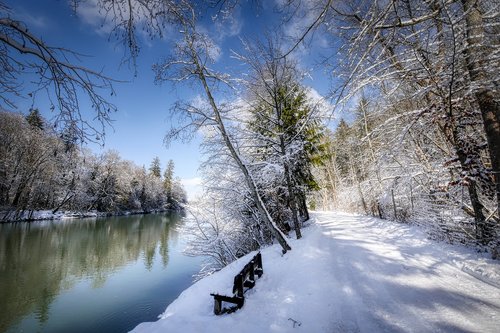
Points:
(168, 179)
(287, 134)
(155, 168)
(35, 119)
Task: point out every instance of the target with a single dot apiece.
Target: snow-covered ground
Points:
(350, 274)
(40, 215)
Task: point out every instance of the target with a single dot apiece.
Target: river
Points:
(91, 275)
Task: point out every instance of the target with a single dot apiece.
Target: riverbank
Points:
(91, 275)
(43, 215)
(350, 274)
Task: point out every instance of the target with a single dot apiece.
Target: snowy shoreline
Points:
(44, 215)
(350, 273)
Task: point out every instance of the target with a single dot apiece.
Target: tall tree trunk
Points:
(303, 204)
(363, 201)
(354, 172)
(291, 194)
(266, 217)
(483, 230)
(485, 96)
(328, 172)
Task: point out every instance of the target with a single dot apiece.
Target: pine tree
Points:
(288, 134)
(35, 119)
(155, 168)
(168, 179)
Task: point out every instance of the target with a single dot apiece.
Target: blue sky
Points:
(143, 107)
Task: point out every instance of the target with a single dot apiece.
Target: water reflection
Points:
(39, 261)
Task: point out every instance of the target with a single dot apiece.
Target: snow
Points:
(39, 215)
(350, 274)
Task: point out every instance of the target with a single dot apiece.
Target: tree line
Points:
(43, 170)
(417, 80)
(258, 173)
(423, 144)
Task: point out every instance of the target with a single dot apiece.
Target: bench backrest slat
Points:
(245, 278)
(238, 285)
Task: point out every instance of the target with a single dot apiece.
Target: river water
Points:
(91, 275)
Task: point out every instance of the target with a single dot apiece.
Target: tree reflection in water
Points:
(40, 260)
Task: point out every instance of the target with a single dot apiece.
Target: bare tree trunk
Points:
(476, 62)
(354, 172)
(280, 237)
(330, 180)
(483, 230)
(291, 195)
(67, 198)
(363, 201)
(395, 209)
(303, 204)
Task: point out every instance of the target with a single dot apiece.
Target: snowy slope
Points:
(351, 274)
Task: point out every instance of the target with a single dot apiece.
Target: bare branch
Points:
(22, 52)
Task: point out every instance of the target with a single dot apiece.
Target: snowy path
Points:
(351, 274)
(389, 278)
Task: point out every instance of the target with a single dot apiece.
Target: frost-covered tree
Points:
(190, 60)
(283, 128)
(27, 156)
(407, 178)
(226, 224)
(39, 171)
(217, 233)
(102, 182)
(420, 58)
(193, 55)
(178, 195)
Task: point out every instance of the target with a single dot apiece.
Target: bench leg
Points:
(217, 306)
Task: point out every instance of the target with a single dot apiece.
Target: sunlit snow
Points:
(350, 274)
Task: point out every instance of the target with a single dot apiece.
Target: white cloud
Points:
(33, 20)
(214, 52)
(192, 186)
(36, 21)
(191, 181)
(322, 106)
(230, 25)
(105, 16)
(90, 13)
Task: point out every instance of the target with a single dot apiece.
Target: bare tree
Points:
(443, 58)
(482, 59)
(58, 73)
(277, 103)
(195, 54)
(190, 63)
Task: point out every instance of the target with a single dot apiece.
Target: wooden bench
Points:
(243, 281)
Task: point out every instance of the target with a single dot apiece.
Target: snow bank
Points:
(40, 215)
(281, 295)
(350, 274)
(482, 270)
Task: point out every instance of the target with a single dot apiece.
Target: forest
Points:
(45, 170)
(409, 130)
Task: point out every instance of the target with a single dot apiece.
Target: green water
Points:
(100, 275)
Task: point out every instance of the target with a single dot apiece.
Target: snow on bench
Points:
(243, 281)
